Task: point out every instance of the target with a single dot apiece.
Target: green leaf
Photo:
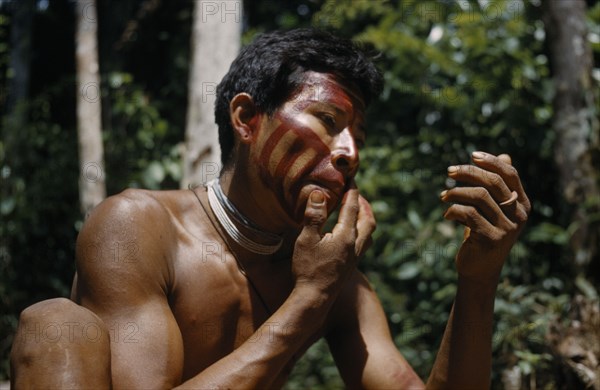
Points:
(586, 288)
(408, 271)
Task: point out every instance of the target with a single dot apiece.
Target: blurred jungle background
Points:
(516, 76)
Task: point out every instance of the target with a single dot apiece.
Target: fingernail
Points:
(452, 169)
(317, 198)
(443, 193)
(478, 155)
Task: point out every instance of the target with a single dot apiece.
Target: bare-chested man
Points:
(226, 286)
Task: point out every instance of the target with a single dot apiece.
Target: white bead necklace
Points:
(222, 207)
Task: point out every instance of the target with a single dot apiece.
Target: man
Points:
(227, 286)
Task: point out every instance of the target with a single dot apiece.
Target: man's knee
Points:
(59, 333)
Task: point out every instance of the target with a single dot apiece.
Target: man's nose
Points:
(345, 153)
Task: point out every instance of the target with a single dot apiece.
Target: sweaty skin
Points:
(158, 280)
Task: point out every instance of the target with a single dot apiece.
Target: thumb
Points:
(315, 215)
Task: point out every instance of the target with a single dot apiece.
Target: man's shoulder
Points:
(133, 232)
(136, 197)
(140, 204)
(140, 215)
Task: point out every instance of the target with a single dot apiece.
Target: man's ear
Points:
(244, 116)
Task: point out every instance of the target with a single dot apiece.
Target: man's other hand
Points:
(494, 209)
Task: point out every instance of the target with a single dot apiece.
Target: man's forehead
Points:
(325, 87)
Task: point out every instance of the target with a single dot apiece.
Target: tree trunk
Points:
(576, 342)
(215, 43)
(92, 187)
(575, 123)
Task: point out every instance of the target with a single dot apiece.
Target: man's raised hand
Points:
(494, 209)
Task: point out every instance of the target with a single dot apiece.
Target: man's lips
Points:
(334, 187)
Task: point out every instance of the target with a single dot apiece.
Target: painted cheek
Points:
(286, 155)
(270, 155)
(266, 144)
(293, 170)
(297, 167)
(280, 152)
(288, 142)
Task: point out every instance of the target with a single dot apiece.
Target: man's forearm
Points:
(258, 362)
(465, 355)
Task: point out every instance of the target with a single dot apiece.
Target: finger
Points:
(477, 176)
(365, 226)
(510, 201)
(348, 213)
(502, 165)
(470, 217)
(505, 158)
(477, 197)
(315, 216)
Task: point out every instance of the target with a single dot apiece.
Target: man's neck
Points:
(265, 213)
(257, 203)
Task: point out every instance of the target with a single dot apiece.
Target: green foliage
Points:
(35, 195)
(4, 58)
(460, 77)
(143, 122)
(316, 369)
(138, 153)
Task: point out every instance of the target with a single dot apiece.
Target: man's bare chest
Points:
(217, 308)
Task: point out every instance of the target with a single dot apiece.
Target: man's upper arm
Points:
(361, 343)
(123, 276)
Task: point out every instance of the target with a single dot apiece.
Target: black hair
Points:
(268, 69)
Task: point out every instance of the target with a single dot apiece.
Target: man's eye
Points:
(328, 120)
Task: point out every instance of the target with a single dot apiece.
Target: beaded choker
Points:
(225, 211)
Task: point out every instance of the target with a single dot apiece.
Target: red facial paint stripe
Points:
(261, 141)
(264, 158)
(291, 185)
(271, 144)
(282, 151)
(296, 150)
(303, 131)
